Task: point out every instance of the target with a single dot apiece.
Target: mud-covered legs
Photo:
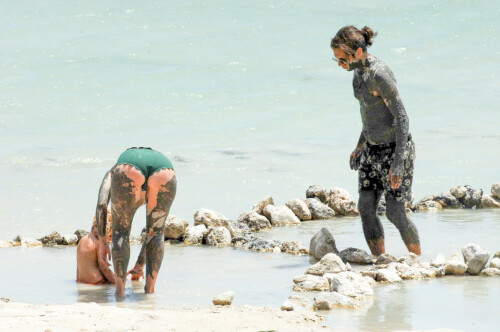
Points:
(159, 196)
(126, 197)
(396, 213)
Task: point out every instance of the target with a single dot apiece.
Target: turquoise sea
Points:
(242, 96)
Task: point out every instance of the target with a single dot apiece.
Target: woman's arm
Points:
(386, 84)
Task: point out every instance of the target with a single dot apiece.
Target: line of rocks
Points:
(339, 285)
(460, 197)
(213, 228)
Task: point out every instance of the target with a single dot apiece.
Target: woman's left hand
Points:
(396, 180)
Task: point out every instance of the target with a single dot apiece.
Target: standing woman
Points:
(140, 175)
(385, 151)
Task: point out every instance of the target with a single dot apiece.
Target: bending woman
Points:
(141, 175)
(385, 151)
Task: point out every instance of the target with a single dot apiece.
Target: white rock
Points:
(386, 259)
(218, 236)
(194, 235)
(330, 263)
(415, 271)
(497, 254)
(256, 222)
(299, 208)
(495, 190)
(355, 256)
(495, 263)
(29, 242)
(296, 303)
(439, 260)
(488, 201)
(211, 218)
(455, 264)
(490, 272)
(6, 244)
(280, 215)
(341, 201)
(309, 282)
(262, 204)
(372, 274)
(458, 191)
(475, 258)
(429, 206)
(412, 259)
(387, 275)
(175, 227)
(440, 271)
(276, 250)
(294, 247)
(316, 191)
(319, 210)
(350, 284)
(69, 239)
(330, 300)
(370, 280)
(225, 298)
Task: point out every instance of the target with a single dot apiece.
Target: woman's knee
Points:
(367, 203)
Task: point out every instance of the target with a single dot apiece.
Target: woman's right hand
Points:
(103, 252)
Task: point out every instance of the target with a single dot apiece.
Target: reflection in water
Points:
(105, 294)
(392, 313)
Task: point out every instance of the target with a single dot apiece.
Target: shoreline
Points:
(17, 316)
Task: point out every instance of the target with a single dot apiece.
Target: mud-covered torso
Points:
(369, 83)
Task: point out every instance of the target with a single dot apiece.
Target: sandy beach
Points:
(93, 317)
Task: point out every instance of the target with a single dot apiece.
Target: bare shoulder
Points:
(87, 243)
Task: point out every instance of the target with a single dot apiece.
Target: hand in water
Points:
(396, 180)
(137, 272)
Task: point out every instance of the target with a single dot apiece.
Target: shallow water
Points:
(242, 96)
(192, 276)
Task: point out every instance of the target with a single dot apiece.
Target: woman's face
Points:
(342, 58)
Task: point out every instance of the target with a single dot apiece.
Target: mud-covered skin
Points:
(382, 111)
(126, 198)
(162, 187)
(103, 198)
(396, 213)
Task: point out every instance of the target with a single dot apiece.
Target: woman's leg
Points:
(126, 197)
(372, 227)
(396, 213)
(159, 197)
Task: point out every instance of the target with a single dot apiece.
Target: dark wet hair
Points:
(350, 38)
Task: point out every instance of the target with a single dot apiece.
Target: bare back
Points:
(86, 261)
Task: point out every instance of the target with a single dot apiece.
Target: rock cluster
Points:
(340, 286)
(460, 197)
